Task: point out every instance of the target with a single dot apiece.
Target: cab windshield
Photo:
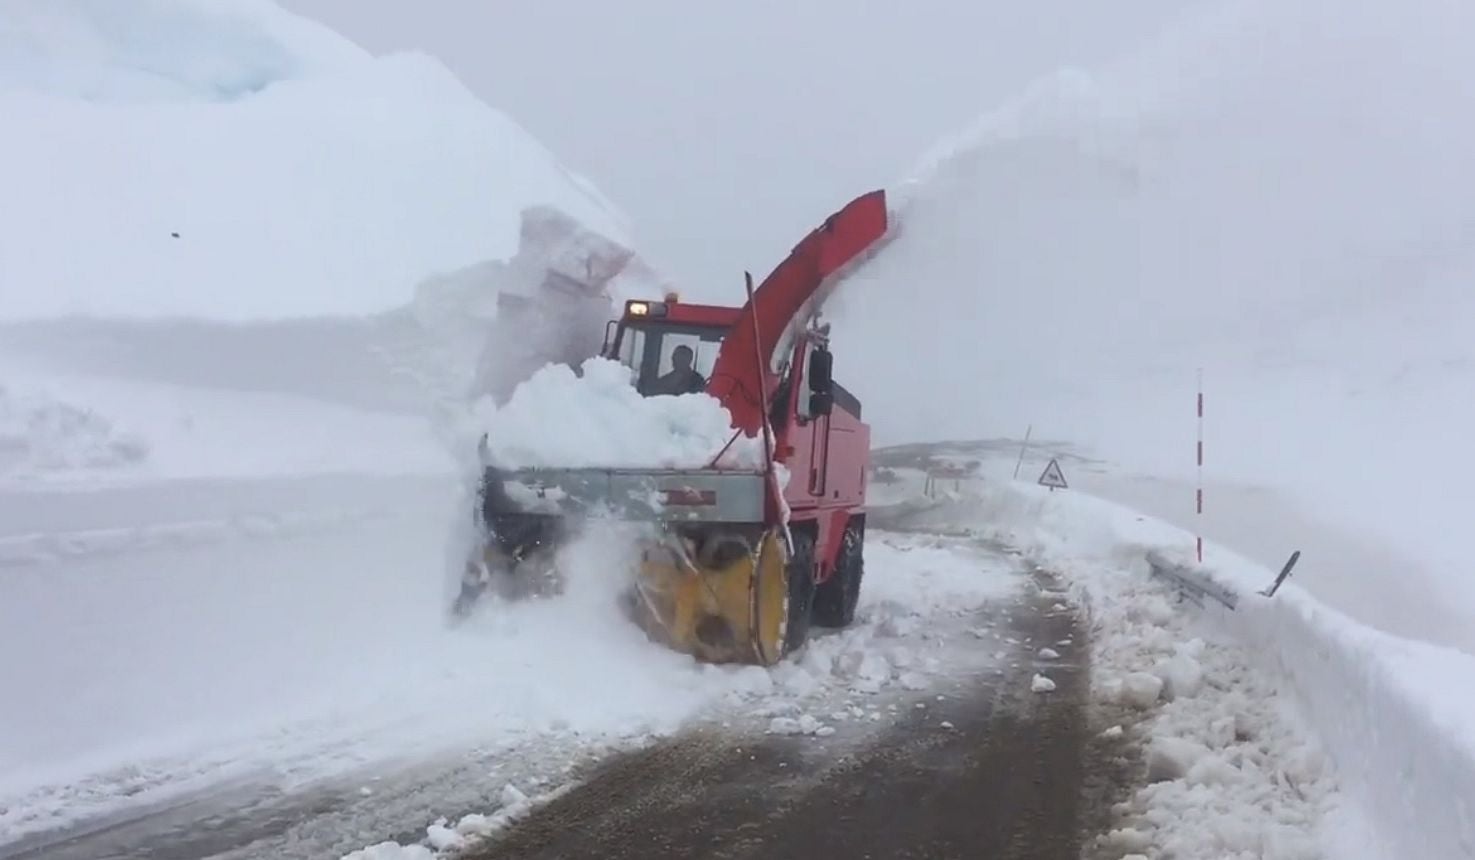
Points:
(670, 359)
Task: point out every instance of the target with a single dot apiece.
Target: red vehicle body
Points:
(762, 369)
(744, 558)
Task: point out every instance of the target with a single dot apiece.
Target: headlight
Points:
(645, 309)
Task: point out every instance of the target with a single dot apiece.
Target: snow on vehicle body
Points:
(749, 550)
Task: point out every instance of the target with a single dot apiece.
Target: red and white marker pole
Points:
(1199, 540)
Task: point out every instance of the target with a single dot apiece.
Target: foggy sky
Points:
(727, 131)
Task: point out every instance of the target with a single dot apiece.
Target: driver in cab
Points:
(683, 378)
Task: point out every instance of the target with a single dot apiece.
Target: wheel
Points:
(801, 592)
(835, 599)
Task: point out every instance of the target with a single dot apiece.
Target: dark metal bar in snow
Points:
(1028, 430)
(1285, 573)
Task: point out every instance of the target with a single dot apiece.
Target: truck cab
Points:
(649, 337)
(817, 421)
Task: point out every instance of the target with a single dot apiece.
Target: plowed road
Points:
(992, 770)
(1018, 774)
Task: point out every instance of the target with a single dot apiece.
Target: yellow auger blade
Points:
(737, 613)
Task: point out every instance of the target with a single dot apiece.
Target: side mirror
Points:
(821, 365)
(608, 350)
(821, 402)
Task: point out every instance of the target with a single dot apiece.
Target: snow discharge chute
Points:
(736, 562)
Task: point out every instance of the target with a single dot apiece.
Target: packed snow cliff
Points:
(224, 198)
(230, 161)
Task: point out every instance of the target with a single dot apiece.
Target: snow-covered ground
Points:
(301, 653)
(1241, 717)
(228, 492)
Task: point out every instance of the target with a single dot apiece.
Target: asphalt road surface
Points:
(1017, 774)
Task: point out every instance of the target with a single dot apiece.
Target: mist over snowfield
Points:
(1276, 193)
(303, 176)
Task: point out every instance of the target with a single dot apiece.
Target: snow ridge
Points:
(1392, 768)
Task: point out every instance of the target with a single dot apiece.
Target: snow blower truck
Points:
(740, 562)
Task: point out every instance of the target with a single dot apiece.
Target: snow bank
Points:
(40, 434)
(110, 431)
(232, 161)
(449, 840)
(1394, 716)
(1272, 192)
(135, 51)
(598, 419)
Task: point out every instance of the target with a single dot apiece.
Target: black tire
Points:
(836, 598)
(801, 592)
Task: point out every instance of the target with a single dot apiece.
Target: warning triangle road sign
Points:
(1053, 477)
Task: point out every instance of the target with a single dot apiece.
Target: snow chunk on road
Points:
(392, 851)
(468, 831)
(1181, 675)
(806, 724)
(1041, 684)
(1171, 758)
(557, 418)
(1140, 690)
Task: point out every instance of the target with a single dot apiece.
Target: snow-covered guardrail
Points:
(1381, 706)
(1391, 713)
(1192, 584)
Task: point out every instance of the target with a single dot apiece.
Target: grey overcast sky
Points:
(727, 130)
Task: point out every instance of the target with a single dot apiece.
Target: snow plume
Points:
(484, 329)
(598, 566)
(469, 831)
(1273, 192)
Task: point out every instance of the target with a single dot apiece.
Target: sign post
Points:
(1199, 492)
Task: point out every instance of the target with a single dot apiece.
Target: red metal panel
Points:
(778, 301)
